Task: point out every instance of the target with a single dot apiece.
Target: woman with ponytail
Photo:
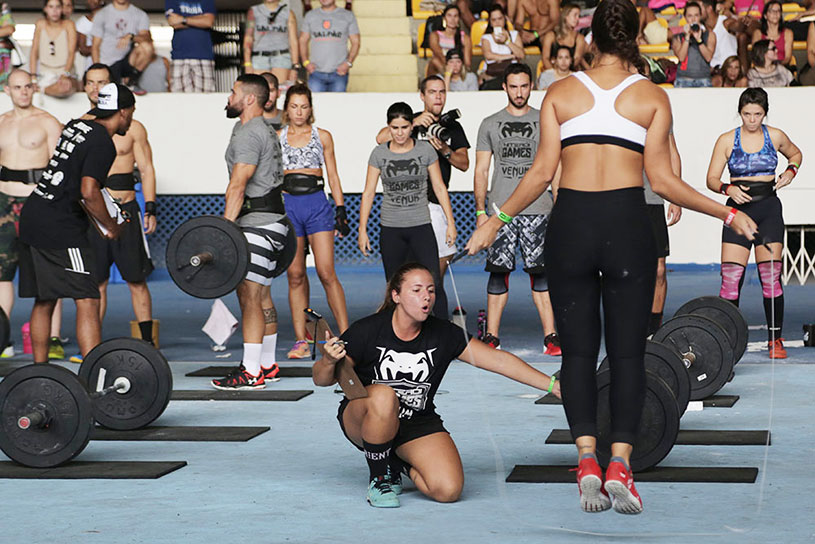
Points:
(604, 126)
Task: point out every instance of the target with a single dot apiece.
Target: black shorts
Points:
(656, 212)
(51, 274)
(130, 251)
(767, 213)
(409, 429)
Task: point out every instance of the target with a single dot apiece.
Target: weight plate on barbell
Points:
(63, 396)
(150, 387)
(221, 239)
(704, 344)
(666, 363)
(659, 423)
(726, 314)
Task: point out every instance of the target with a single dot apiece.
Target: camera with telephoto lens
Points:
(440, 129)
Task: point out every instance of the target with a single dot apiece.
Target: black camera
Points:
(440, 129)
(695, 27)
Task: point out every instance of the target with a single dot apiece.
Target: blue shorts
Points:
(309, 213)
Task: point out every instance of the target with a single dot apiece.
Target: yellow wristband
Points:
(247, 64)
(306, 63)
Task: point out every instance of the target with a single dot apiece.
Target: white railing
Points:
(798, 262)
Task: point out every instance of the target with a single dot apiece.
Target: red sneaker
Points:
(593, 498)
(777, 350)
(270, 374)
(620, 485)
(552, 345)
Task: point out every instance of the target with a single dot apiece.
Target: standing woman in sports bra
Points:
(306, 149)
(603, 126)
(752, 189)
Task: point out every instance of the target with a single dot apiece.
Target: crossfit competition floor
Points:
(303, 482)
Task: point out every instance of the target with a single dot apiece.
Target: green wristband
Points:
(552, 381)
(796, 165)
(480, 212)
(501, 215)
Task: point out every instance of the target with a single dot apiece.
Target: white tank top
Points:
(602, 124)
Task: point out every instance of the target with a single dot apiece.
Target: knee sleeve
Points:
(732, 279)
(498, 284)
(769, 272)
(538, 282)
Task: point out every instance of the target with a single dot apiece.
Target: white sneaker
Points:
(8, 352)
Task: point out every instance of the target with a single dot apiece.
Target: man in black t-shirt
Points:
(452, 151)
(55, 258)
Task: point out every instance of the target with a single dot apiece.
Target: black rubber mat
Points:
(181, 434)
(714, 401)
(560, 474)
(689, 437)
(221, 371)
(85, 470)
(214, 394)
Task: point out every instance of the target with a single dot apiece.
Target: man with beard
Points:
(271, 113)
(28, 136)
(55, 258)
(254, 202)
(512, 136)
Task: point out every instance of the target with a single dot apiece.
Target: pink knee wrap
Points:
(731, 280)
(769, 272)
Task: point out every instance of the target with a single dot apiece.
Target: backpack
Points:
(434, 23)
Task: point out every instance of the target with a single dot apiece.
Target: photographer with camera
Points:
(694, 47)
(447, 137)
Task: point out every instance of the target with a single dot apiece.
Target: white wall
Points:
(189, 134)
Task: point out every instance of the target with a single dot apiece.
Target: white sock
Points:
(267, 356)
(251, 358)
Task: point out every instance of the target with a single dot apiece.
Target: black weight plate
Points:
(66, 401)
(5, 329)
(151, 382)
(659, 424)
(667, 364)
(217, 236)
(708, 342)
(726, 314)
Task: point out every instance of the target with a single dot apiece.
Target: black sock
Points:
(146, 329)
(377, 456)
(774, 307)
(654, 323)
(397, 466)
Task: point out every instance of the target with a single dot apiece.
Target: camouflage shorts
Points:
(10, 207)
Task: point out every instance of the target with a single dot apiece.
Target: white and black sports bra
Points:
(602, 124)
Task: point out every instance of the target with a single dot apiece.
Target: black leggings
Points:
(397, 244)
(601, 244)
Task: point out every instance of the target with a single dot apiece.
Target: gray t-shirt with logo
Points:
(329, 31)
(271, 35)
(111, 24)
(513, 142)
(252, 143)
(404, 184)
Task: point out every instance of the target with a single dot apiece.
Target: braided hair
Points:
(614, 28)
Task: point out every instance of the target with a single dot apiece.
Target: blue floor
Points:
(302, 482)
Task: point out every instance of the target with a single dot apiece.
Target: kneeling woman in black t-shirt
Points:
(401, 354)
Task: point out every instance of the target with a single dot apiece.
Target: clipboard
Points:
(344, 370)
(114, 210)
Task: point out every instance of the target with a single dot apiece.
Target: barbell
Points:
(47, 412)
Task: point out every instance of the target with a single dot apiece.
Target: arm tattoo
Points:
(269, 315)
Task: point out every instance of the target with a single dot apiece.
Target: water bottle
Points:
(482, 324)
(460, 317)
(26, 330)
(809, 334)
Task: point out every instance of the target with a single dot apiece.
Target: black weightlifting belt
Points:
(302, 184)
(269, 53)
(30, 177)
(271, 202)
(759, 190)
(121, 182)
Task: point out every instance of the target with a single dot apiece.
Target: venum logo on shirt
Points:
(517, 147)
(408, 374)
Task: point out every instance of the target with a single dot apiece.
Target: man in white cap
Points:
(55, 258)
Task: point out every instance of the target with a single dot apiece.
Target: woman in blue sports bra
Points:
(603, 126)
(752, 189)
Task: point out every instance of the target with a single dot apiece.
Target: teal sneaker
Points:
(381, 495)
(396, 481)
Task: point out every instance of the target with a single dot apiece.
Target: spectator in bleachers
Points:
(121, 40)
(730, 74)
(767, 71)
(561, 62)
(565, 34)
(52, 52)
(193, 65)
(651, 30)
(456, 75)
(501, 47)
(271, 40)
(807, 74)
(725, 29)
(451, 37)
(329, 29)
(745, 25)
(694, 48)
(470, 10)
(84, 38)
(542, 16)
(156, 76)
(773, 29)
